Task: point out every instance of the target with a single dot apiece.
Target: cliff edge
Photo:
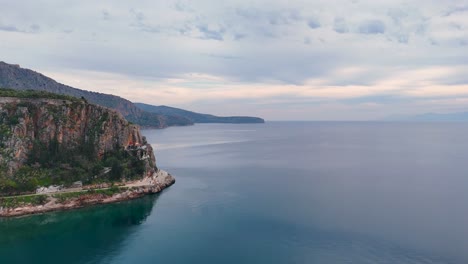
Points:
(55, 140)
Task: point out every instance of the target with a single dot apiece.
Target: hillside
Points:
(14, 77)
(197, 117)
(48, 139)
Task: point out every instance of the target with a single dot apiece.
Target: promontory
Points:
(60, 152)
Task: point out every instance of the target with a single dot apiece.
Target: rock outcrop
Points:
(109, 160)
(73, 124)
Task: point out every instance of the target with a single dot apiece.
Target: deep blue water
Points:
(280, 192)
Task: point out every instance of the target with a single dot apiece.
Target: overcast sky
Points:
(282, 60)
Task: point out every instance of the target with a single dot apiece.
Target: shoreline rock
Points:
(149, 185)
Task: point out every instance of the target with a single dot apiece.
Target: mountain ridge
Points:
(12, 76)
(198, 117)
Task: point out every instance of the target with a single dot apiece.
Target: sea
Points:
(279, 192)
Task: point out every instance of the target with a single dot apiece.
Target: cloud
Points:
(407, 89)
(141, 24)
(208, 33)
(181, 7)
(34, 28)
(372, 27)
(402, 38)
(257, 23)
(239, 36)
(456, 10)
(380, 99)
(340, 26)
(105, 14)
(313, 23)
(256, 50)
(397, 15)
(9, 28)
(138, 15)
(222, 56)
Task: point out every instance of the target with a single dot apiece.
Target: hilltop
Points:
(14, 77)
(198, 117)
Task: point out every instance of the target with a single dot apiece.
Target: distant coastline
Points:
(198, 117)
(12, 76)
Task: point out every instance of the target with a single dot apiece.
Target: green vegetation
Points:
(4, 133)
(55, 165)
(25, 180)
(12, 202)
(63, 197)
(196, 117)
(109, 192)
(35, 94)
(17, 201)
(50, 162)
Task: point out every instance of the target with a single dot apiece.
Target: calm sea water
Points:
(281, 192)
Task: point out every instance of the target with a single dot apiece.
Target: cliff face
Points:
(54, 123)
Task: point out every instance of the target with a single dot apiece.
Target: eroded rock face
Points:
(24, 122)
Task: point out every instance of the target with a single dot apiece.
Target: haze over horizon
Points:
(280, 60)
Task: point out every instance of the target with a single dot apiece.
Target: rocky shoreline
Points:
(149, 185)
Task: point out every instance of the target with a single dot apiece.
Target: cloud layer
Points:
(357, 59)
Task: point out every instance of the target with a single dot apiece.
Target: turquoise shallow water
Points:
(281, 192)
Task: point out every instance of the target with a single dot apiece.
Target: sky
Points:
(281, 60)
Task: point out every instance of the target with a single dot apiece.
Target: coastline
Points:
(149, 185)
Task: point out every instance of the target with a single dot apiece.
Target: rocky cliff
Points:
(45, 141)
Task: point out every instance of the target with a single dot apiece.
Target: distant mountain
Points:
(14, 77)
(197, 117)
(433, 117)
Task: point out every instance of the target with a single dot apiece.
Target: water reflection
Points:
(285, 193)
(82, 236)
